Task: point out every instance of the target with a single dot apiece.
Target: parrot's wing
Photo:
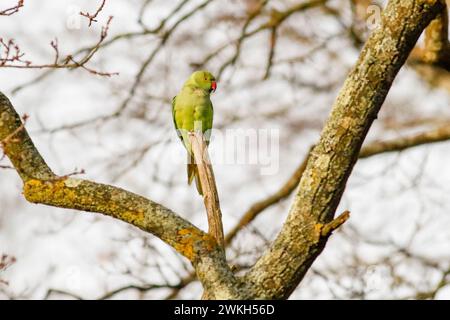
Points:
(182, 134)
(209, 124)
(174, 111)
(192, 171)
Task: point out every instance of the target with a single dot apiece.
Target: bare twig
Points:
(54, 44)
(5, 262)
(122, 36)
(328, 228)
(12, 10)
(11, 53)
(93, 17)
(143, 288)
(76, 172)
(272, 46)
(12, 57)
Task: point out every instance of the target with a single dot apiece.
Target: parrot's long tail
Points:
(192, 172)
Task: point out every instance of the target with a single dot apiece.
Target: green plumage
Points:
(193, 111)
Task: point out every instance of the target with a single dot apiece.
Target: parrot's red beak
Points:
(213, 86)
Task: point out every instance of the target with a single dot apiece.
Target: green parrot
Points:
(192, 110)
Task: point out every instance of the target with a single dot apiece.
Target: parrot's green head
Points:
(203, 80)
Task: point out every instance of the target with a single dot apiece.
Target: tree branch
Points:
(93, 17)
(438, 134)
(431, 294)
(278, 272)
(12, 57)
(12, 10)
(327, 229)
(42, 186)
(208, 185)
(142, 288)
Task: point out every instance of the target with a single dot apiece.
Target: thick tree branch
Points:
(41, 185)
(278, 272)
